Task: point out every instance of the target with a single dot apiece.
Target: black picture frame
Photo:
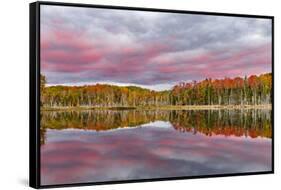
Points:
(34, 92)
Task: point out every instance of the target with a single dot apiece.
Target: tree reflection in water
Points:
(250, 123)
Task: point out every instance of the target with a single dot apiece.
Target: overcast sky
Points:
(154, 50)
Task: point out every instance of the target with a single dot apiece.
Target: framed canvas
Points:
(126, 94)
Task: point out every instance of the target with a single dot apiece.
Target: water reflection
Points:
(85, 146)
(251, 123)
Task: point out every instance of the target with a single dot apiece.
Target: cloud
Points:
(89, 45)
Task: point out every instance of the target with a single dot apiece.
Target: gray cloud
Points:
(149, 48)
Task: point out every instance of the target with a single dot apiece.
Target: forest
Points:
(252, 90)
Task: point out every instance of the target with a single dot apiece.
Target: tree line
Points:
(253, 90)
(229, 91)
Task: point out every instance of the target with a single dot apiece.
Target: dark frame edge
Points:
(209, 13)
(273, 96)
(34, 139)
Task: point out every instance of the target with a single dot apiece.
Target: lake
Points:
(106, 145)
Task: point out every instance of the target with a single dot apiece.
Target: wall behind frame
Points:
(14, 96)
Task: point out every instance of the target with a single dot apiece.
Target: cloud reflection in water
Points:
(153, 150)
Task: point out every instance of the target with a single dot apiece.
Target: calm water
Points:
(92, 146)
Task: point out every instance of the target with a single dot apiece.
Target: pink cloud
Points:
(244, 62)
(67, 51)
(73, 51)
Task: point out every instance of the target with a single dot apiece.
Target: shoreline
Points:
(170, 107)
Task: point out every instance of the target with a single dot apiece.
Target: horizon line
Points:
(155, 87)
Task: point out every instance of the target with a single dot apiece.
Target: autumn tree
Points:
(251, 90)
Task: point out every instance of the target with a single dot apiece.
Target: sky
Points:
(149, 49)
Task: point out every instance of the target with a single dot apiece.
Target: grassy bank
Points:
(212, 107)
(171, 107)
